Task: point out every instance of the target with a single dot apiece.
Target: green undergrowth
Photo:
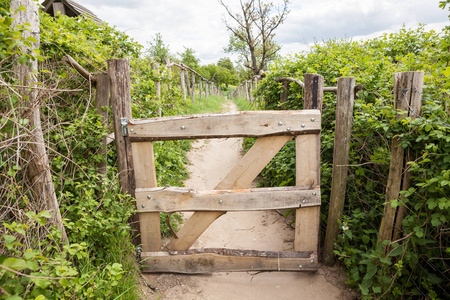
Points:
(99, 260)
(416, 265)
(244, 105)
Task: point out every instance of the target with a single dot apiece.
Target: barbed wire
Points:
(405, 97)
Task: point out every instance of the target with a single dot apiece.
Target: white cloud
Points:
(197, 24)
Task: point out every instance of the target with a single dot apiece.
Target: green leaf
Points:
(16, 264)
(376, 289)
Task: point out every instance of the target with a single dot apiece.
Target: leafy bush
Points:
(416, 265)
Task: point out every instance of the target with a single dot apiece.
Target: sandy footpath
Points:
(211, 160)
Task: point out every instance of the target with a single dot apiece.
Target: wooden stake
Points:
(102, 107)
(193, 87)
(183, 85)
(119, 74)
(155, 66)
(407, 97)
(342, 138)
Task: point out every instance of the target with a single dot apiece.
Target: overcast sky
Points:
(198, 24)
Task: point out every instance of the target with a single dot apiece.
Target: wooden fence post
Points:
(407, 97)
(284, 92)
(193, 87)
(200, 87)
(307, 220)
(155, 66)
(119, 74)
(102, 102)
(188, 83)
(183, 84)
(246, 90)
(250, 88)
(342, 138)
(38, 171)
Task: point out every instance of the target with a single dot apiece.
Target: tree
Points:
(253, 31)
(188, 58)
(158, 50)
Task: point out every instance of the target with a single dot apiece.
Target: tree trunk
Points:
(38, 170)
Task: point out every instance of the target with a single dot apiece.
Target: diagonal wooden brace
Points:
(240, 177)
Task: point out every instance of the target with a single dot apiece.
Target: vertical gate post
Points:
(119, 74)
(246, 90)
(343, 130)
(307, 146)
(200, 87)
(407, 97)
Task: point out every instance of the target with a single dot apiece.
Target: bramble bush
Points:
(417, 265)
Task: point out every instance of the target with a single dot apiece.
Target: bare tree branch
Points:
(255, 25)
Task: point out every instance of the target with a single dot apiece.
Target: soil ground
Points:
(210, 161)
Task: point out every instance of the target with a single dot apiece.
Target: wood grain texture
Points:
(239, 177)
(145, 175)
(342, 137)
(242, 124)
(307, 220)
(230, 261)
(102, 108)
(172, 199)
(407, 97)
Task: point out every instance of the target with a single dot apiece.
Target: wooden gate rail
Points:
(199, 261)
(242, 124)
(173, 199)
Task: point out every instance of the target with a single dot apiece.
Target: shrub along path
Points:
(210, 161)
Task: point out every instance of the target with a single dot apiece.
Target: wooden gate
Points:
(273, 129)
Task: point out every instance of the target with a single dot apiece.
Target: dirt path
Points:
(210, 161)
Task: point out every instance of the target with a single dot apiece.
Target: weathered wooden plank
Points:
(307, 220)
(229, 261)
(240, 177)
(145, 175)
(242, 124)
(344, 119)
(172, 199)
